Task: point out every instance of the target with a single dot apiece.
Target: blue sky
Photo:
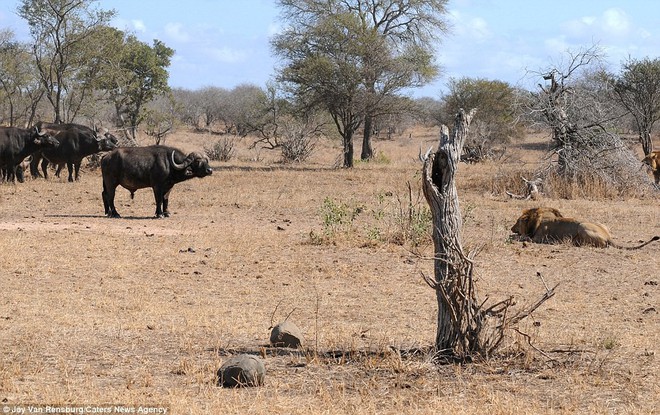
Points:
(225, 43)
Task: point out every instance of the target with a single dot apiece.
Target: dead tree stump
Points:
(467, 328)
(459, 318)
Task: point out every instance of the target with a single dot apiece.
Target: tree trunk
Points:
(348, 149)
(367, 150)
(645, 139)
(458, 317)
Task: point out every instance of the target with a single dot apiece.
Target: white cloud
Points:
(226, 55)
(130, 25)
(557, 45)
(139, 25)
(579, 27)
(479, 28)
(644, 34)
(615, 21)
(475, 28)
(612, 22)
(176, 32)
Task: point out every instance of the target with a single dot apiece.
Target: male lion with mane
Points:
(653, 161)
(548, 225)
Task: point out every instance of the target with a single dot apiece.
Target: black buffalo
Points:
(17, 173)
(158, 167)
(18, 143)
(76, 142)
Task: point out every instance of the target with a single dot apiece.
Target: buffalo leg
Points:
(108, 196)
(44, 167)
(166, 201)
(19, 173)
(8, 174)
(69, 166)
(158, 195)
(34, 165)
(76, 166)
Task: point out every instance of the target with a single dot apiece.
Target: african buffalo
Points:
(18, 172)
(77, 142)
(158, 167)
(18, 143)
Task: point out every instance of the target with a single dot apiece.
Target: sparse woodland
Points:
(390, 263)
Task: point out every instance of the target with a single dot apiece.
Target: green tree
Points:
(495, 121)
(133, 75)
(60, 30)
(637, 89)
(354, 57)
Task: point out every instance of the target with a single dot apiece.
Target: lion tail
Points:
(655, 238)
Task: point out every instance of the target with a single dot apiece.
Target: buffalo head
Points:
(43, 139)
(194, 164)
(105, 140)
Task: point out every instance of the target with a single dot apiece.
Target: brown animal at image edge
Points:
(548, 225)
(653, 161)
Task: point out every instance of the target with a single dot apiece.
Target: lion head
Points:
(653, 161)
(531, 219)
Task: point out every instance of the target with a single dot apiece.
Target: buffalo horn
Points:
(178, 166)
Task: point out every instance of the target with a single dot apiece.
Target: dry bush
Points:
(222, 150)
(597, 164)
(298, 148)
(583, 186)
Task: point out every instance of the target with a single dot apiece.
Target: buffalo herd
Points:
(157, 167)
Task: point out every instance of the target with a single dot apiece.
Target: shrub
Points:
(297, 148)
(222, 150)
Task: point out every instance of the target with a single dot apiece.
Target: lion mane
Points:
(531, 219)
(548, 225)
(653, 161)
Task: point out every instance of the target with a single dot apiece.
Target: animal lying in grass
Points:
(548, 225)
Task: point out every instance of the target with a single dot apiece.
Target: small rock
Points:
(286, 334)
(242, 370)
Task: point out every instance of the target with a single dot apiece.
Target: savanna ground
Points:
(141, 311)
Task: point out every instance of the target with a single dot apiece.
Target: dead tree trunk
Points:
(466, 327)
(457, 303)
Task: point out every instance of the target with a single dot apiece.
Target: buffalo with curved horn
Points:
(158, 167)
(76, 142)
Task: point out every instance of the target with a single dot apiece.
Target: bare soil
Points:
(143, 311)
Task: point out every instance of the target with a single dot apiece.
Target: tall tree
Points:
(20, 90)
(638, 90)
(353, 57)
(495, 122)
(60, 29)
(133, 76)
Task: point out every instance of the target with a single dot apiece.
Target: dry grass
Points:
(142, 311)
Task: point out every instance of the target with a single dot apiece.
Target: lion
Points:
(531, 219)
(547, 225)
(653, 160)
